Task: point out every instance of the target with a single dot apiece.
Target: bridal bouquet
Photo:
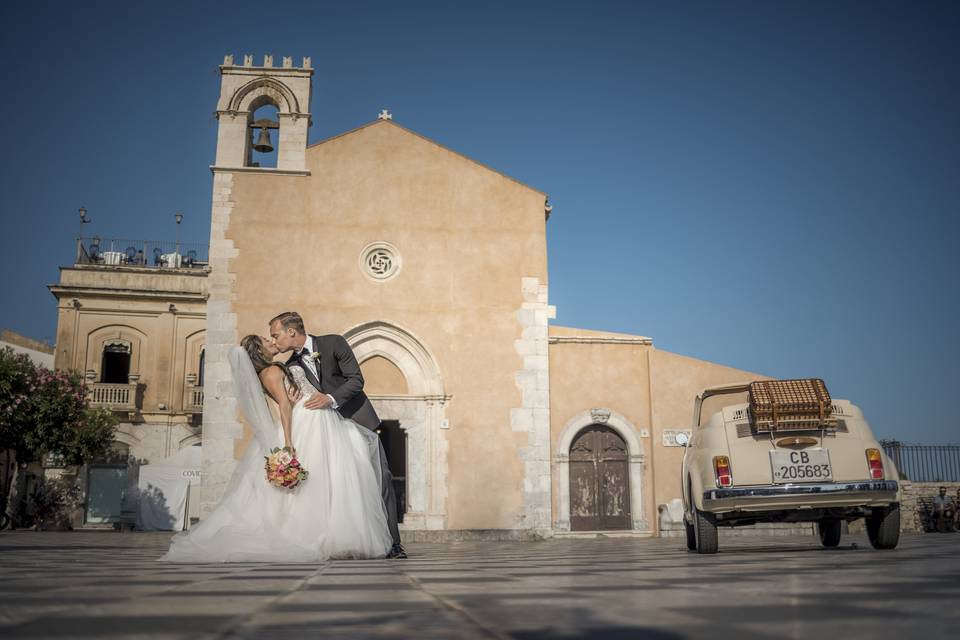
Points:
(283, 468)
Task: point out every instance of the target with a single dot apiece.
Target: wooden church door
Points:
(599, 484)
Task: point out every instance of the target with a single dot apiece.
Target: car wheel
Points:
(830, 531)
(883, 528)
(705, 532)
(691, 536)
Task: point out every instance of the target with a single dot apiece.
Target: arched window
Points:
(115, 363)
(264, 130)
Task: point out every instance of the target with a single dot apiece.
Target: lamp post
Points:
(83, 220)
(178, 216)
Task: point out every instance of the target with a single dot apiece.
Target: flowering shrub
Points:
(53, 502)
(45, 412)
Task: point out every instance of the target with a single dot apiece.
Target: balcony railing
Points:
(113, 396)
(193, 399)
(142, 253)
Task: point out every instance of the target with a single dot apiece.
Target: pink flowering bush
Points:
(45, 412)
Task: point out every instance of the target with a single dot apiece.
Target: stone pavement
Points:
(109, 585)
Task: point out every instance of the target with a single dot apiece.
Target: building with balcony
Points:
(134, 327)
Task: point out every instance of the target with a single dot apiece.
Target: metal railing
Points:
(118, 396)
(924, 462)
(142, 253)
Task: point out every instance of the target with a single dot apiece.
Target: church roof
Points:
(379, 122)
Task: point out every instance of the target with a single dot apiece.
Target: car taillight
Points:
(875, 463)
(721, 466)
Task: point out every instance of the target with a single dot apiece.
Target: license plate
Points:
(806, 465)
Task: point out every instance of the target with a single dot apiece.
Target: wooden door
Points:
(599, 484)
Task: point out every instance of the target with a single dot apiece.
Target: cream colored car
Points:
(738, 470)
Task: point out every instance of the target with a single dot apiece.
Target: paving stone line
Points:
(453, 607)
(235, 624)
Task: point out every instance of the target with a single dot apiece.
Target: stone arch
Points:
(193, 345)
(189, 441)
(420, 412)
(128, 435)
(126, 334)
(401, 348)
(261, 91)
(636, 466)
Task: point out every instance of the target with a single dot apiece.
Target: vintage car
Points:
(783, 451)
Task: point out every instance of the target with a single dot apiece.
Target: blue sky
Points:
(772, 186)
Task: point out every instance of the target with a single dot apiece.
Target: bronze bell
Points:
(263, 144)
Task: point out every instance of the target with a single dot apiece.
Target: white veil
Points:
(249, 394)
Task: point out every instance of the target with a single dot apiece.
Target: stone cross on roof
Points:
(385, 115)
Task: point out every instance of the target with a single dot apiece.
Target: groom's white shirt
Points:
(311, 364)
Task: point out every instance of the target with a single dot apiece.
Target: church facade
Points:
(434, 268)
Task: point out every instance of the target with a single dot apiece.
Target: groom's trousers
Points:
(389, 496)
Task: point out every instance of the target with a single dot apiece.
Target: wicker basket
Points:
(791, 405)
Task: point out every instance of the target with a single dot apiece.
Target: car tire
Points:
(691, 536)
(705, 532)
(883, 529)
(830, 532)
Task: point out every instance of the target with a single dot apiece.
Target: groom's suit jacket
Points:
(341, 378)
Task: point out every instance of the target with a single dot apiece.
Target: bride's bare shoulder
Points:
(271, 374)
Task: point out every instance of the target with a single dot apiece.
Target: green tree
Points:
(46, 412)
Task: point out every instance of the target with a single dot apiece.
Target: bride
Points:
(337, 512)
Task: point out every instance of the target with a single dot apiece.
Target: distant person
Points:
(943, 511)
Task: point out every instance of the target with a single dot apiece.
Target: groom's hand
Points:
(318, 401)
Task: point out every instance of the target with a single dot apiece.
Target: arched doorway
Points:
(411, 404)
(599, 481)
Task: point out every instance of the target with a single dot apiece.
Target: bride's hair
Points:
(253, 345)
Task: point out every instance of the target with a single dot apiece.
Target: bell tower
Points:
(244, 89)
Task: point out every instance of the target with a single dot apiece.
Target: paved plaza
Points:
(105, 584)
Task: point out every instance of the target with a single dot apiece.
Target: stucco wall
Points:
(599, 370)
(652, 389)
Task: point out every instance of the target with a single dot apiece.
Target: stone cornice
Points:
(282, 172)
(151, 271)
(273, 72)
(61, 291)
(637, 340)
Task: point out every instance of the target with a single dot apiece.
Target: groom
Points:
(330, 366)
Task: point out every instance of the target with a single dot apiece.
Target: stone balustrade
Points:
(113, 396)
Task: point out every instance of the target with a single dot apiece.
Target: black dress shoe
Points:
(397, 552)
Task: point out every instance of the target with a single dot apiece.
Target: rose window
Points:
(380, 261)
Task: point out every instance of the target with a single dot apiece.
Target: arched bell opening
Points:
(263, 130)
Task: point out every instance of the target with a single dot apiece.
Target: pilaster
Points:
(533, 414)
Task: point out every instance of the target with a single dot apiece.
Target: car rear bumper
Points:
(777, 497)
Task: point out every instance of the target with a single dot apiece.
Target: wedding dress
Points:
(337, 512)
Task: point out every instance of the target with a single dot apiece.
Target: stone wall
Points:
(910, 521)
(533, 416)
